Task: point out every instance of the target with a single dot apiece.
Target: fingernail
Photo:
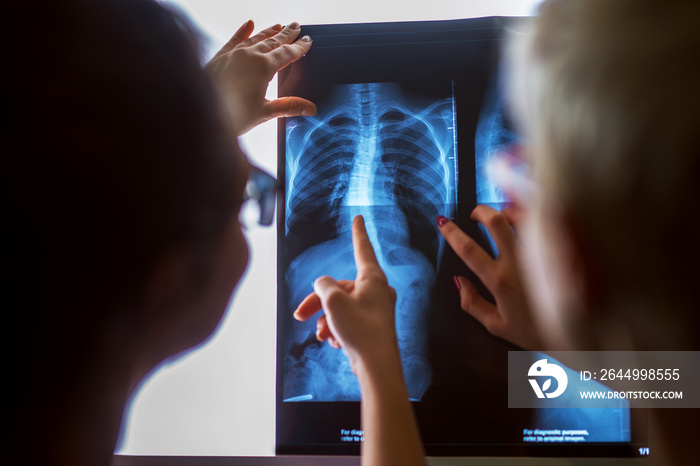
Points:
(441, 220)
(294, 25)
(455, 280)
(246, 23)
(308, 112)
(306, 39)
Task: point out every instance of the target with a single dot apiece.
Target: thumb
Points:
(473, 303)
(287, 107)
(333, 297)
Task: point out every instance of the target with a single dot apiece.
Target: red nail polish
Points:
(456, 282)
(441, 220)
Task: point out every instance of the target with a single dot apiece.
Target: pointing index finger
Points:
(365, 259)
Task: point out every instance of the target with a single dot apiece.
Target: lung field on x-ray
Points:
(495, 133)
(377, 151)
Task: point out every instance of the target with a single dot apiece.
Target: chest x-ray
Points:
(389, 156)
(410, 118)
(495, 134)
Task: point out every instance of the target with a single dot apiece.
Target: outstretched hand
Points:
(510, 318)
(243, 68)
(358, 315)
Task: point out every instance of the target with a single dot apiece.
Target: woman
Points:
(122, 189)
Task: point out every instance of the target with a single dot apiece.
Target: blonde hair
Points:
(608, 94)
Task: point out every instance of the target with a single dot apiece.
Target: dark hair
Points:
(115, 152)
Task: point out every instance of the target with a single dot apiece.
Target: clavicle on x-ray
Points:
(390, 156)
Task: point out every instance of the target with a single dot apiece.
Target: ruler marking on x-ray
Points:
(454, 149)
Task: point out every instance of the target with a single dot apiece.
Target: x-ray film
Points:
(389, 156)
(410, 118)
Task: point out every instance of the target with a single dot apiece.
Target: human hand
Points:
(359, 314)
(243, 68)
(359, 317)
(510, 318)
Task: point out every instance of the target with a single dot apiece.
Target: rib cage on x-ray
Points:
(387, 156)
(494, 134)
